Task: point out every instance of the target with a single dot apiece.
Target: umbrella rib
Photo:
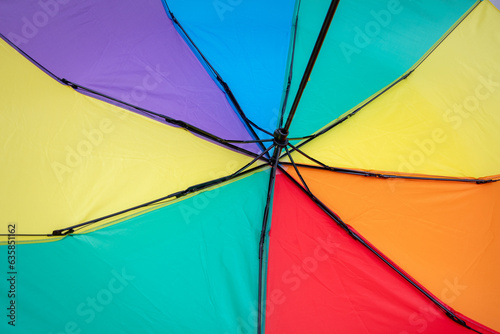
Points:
(263, 231)
(307, 156)
(40, 66)
(395, 176)
(179, 194)
(312, 60)
(172, 121)
(449, 312)
(290, 72)
(223, 84)
(251, 162)
(167, 119)
(401, 78)
(354, 112)
(387, 175)
(296, 169)
(262, 140)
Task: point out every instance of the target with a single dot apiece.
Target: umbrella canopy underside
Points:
(189, 167)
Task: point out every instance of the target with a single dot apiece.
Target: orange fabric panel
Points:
(444, 234)
(320, 280)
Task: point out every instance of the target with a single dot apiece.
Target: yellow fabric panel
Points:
(68, 158)
(444, 119)
(446, 235)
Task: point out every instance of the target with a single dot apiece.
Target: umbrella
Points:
(236, 166)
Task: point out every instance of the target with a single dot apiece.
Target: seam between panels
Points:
(449, 312)
(404, 76)
(249, 125)
(288, 76)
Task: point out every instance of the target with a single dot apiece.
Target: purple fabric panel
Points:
(126, 49)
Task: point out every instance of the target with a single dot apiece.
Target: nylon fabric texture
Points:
(249, 167)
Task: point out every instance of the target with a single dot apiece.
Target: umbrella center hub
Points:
(280, 137)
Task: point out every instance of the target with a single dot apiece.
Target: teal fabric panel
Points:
(189, 267)
(369, 45)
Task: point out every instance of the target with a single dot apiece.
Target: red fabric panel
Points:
(320, 280)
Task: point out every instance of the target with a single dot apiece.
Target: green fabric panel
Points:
(369, 45)
(189, 267)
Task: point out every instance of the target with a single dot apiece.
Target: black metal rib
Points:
(449, 313)
(354, 112)
(263, 231)
(401, 78)
(172, 121)
(307, 156)
(261, 141)
(290, 71)
(223, 84)
(297, 170)
(383, 175)
(40, 66)
(392, 176)
(167, 119)
(251, 162)
(189, 190)
(312, 60)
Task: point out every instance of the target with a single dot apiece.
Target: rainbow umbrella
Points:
(236, 166)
